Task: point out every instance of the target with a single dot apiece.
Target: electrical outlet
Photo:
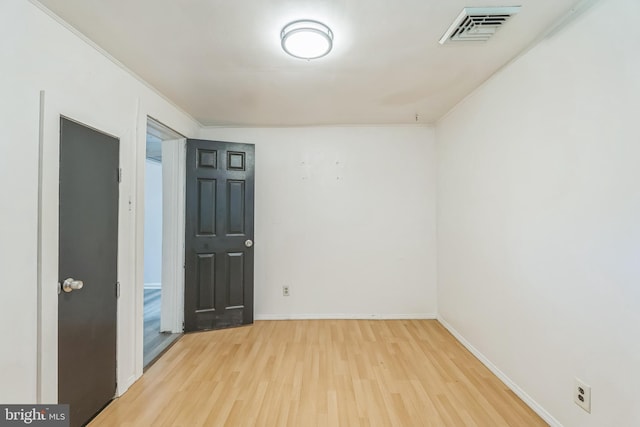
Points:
(582, 395)
(285, 291)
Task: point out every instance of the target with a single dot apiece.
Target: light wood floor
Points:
(319, 373)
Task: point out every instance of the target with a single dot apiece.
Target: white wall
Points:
(539, 218)
(153, 222)
(346, 217)
(37, 53)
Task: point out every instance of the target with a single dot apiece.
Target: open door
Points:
(219, 235)
(88, 262)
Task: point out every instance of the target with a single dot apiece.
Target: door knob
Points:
(72, 285)
(248, 243)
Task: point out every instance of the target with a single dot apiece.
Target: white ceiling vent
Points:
(478, 24)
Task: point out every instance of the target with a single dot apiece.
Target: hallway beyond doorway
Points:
(155, 342)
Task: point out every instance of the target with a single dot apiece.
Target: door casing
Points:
(53, 106)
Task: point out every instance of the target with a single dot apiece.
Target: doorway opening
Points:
(162, 268)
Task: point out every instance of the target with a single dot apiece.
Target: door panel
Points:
(206, 207)
(235, 279)
(219, 220)
(206, 281)
(235, 208)
(88, 245)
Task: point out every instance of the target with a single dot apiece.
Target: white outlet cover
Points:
(582, 395)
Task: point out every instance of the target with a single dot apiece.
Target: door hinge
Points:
(117, 289)
(119, 175)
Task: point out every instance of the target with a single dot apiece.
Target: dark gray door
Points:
(219, 235)
(88, 254)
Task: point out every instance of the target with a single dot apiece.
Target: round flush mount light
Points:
(306, 39)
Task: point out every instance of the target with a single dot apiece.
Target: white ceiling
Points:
(221, 60)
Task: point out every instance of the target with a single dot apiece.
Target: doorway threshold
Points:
(151, 356)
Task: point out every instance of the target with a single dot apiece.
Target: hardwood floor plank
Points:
(320, 373)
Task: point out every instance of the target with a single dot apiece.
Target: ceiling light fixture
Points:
(306, 39)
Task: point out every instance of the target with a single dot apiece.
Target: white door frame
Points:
(173, 212)
(52, 107)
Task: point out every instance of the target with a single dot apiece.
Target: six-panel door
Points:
(219, 235)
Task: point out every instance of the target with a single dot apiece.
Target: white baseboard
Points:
(535, 406)
(153, 285)
(341, 316)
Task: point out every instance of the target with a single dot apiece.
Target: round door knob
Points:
(248, 243)
(72, 285)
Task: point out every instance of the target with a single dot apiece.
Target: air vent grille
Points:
(478, 24)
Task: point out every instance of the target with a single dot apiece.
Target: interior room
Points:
(467, 195)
